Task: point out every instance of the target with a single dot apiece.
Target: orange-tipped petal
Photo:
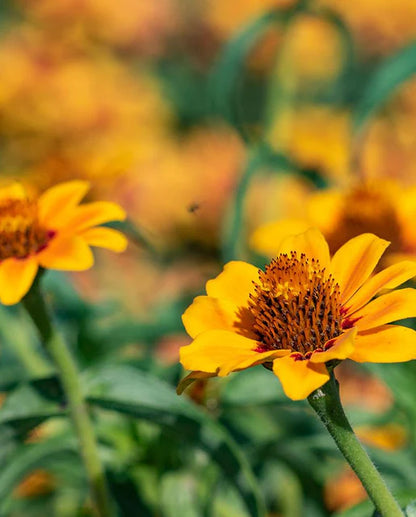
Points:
(389, 278)
(94, 214)
(387, 308)
(56, 204)
(342, 348)
(267, 239)
(235, 283)
(206, 313)
(312, 243)
(16, 278)
(105, 238)
(67, 254)
(299, 378)
(221, 352)
(354, 262)
(386, 344)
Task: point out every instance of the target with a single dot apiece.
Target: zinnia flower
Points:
(303, 311)
(385, 208)
(52, 232)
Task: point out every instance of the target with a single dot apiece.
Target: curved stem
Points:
(67, 369)
(327, 404)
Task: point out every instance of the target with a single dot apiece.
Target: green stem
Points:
(67, 369)
(327, 404)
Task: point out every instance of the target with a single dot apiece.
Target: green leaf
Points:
(391, 74)
(28, 457)
(253, 387)
(228, 71)
(130, 391)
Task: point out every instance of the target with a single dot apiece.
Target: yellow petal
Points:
(389, 278)
(312, 243)
(94, 214)
(13, 191)
(57, 203)
(354, 262)
(235, 283)
(206, 313)
(299, 378)
(68, 254)
(105, 238)
(16, 278)
(386, 344)
(341, 349)
(222, 352)
(268, 238)
(190, 378)
(389, 307)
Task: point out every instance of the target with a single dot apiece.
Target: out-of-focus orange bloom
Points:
(142, 25)
(65, 115)
(389, 437)
(382, 207)
(225, 18)
(37, 483)
(380, 25)
(194, 177)
(344, 490)
(318, 138)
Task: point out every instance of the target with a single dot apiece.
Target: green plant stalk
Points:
(67, 370)
(327, 404)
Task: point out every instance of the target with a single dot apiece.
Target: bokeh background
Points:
(204, 119)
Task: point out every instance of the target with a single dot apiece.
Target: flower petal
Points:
(324, 209)
(341, 349)
(354, 262)
(299, 378)
(235, 283)
(67, 254)
(105, 238)
(13, 191)
(190, 378)
(312, 243)
(221, 352)
(55, 204)
(16, 278)
(389, 278)
(268, 238)
(207, 313)
(386, 344)
(389, 307)
(94, 214)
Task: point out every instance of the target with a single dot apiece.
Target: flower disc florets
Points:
(21, 235)
(296, 306)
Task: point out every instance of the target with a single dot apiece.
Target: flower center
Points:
(295, 306)
(20, 232)
(367, 208)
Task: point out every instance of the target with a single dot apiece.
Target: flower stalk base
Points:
(67, 370)
(327, 404)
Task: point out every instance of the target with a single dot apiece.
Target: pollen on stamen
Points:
(21, 234)
(296, 306)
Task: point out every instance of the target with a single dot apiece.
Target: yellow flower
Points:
(301, 312)
(52, 232)
(381, 207)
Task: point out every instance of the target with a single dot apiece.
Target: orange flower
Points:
(53, 232)
(303, 311)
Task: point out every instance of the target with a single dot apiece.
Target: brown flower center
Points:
(20, 232)
(295, 306)
(367, 208)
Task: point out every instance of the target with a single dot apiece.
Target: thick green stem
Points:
(327, 404)
(65, 364)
